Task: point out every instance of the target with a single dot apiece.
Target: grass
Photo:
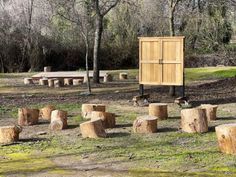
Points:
(166, 153)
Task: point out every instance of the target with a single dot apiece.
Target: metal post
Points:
(141, 89)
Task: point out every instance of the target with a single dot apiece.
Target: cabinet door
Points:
(172, 61)
(150, 68)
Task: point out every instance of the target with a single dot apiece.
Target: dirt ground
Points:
(79, 157)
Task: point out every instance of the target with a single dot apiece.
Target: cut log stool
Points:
(58, 120)
(77, 81)
(45, 113)
(210, 111)
(68, 81)
(58, 83)
(226, 135)
(43, 81)
(194, 120)
(9, 134)
(28, 116)
(28, 81)
(88, 108)
(123, 76)
(160, 110)
(145, 124)
(93, 129)
(51, 82)
(108, 119)
(47, 69)
(107, 78)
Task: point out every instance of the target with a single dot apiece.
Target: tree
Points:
(101, 8)
(172, 7)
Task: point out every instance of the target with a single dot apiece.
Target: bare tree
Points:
(101, 8)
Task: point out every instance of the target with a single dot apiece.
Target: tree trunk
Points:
(97, 45)
(87, 66)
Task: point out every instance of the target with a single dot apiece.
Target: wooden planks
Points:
(161, 60)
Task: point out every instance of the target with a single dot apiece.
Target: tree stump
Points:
(77, 82)
(145, 124)
(51, 82)
(210, 111)
(45, 113)
(108, 119)
(47, 69)
(58, 83)
(28, 116)
(85, 80)
(28, 81)
(68, 81)
(93, 129)
(9, 134)
(226, 135)
(43, 81)
(160, 110)
(123, 76)
(58, 120)
(107, 78)
(88, 108)
(194, 120)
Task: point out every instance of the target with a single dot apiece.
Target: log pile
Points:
(28, 116)
(145, 124)
(226, 135)
(9, 134)
(194, 120)
(58, 120)
(93, 129)
(88, 108)
(159, 110)
(108, 119)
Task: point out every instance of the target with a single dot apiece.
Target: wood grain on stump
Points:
(108, 119)
(9, 134)
(210, 111)
(58, 120)
(145, 124)
(107, 78)
(77, 81)
(28, 81)
(45, 113)
(226, 135)
(43, 81)
(88, 108)
(28, 116)
(194, 120)
(123, 76)
(93, 129)
(160, 110)
(68, 81)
